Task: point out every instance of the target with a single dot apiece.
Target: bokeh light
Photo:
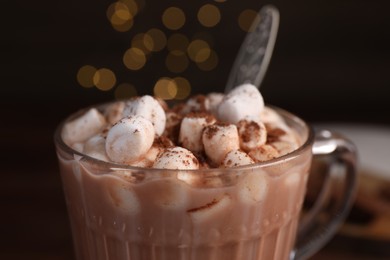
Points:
(165, 88)
(125, 91)
(209, 64)
(176, 61)
(159, 39)
(198, 51)
(183, 87)
(104, 79)
(247, 18)
(209, 15)
(85, 76)
(131, 5)
(173, 18)
(121, 15)
(134, 59)
(144, 42)
(178, 42)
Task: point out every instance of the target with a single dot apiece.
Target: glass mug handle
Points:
(323, 220)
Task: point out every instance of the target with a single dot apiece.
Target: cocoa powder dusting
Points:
(208, 205)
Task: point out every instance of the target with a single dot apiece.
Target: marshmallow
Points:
(114, 112)
(129, 139)
(176, 158)
(198, 103)
(270, 116)
(168, 193)
(95, 147)
(191, 128)
(214, 100)
(207, 211)
(149, 108)
(79, 147)
(252, 134)
(162, 103)
(284, 147)
(292, 179)
(236, 158)
(151, 156)
(218, 140)
(172, 125)
(121, 195)
(83, 127)
(264, 153)
(243, 102)
(253, 187)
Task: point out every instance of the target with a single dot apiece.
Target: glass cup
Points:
(250, 212)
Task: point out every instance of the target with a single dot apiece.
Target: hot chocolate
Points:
(217, 177)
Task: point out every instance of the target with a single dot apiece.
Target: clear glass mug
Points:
(245, 213)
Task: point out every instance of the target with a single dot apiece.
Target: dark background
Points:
(331, 63)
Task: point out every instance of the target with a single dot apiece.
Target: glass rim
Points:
(60, 144)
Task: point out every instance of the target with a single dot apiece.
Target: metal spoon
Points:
(255, 53)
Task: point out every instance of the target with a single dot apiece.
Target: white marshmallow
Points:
(264, 153)
(191, 128)
(198, 103)
(129, 139)
(172, 125)
(149, 108)
(214, 100)
(95, 147)
(218, 140)
(209, 210)
(79, 147)
(176, 158)
(253, 187)
(162, 103)
(243, 102)
(114, 112)
(236, 158)
(270, 116)
(293, 179)
(284, 147)
(83, 127)
(121, 194)
(169, 193)
(150, 157)
(252, 134)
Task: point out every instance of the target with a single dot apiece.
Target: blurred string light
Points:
(246, 18)
(173, 18)
(198, 51)
(172, 88)
(104, 79)
(125, 91)
(181, 49)
(209, 64)
(209, 15)
(134, 58)
(85, 76)
(158, 38)
(143, 42)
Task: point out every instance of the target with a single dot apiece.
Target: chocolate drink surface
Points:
(218, 177)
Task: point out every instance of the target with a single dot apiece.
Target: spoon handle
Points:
(255, 53)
